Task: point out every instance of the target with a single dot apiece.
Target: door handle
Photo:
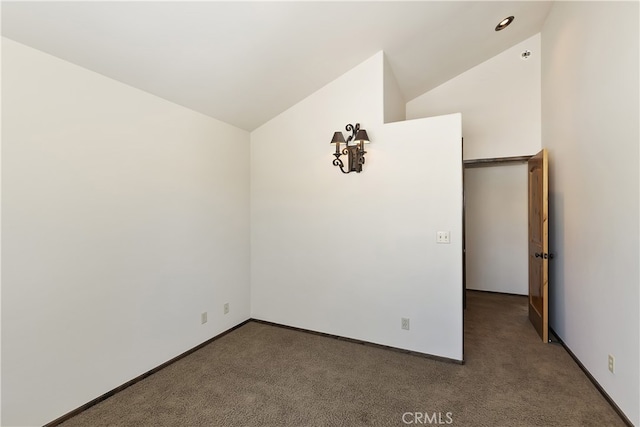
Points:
(543, 255)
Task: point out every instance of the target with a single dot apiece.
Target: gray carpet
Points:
(261, 375)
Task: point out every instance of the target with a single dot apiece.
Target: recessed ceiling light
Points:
(504, 23)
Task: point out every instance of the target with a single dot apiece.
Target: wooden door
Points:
(539, 244)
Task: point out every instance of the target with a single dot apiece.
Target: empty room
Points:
(340, 213)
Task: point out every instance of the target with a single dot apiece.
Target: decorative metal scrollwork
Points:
(354, 152)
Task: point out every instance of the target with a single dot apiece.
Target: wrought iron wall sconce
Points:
(353, 148)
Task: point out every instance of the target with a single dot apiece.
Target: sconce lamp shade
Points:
(362, 136)
(337, 137)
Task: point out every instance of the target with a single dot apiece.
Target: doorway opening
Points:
(495, 229)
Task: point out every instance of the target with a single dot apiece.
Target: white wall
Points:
(590, 113)
(499, 101)
(123, 217)
(500, 104)
(496, 228)
(395, 107)
(352, 254)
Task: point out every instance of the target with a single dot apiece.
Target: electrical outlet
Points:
(203, 318)
(612, 364)
(442, 237)
(405, 323)
(226, 308)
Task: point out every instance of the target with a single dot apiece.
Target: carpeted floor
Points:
(261, 375)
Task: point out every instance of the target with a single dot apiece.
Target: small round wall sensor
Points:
(526, 54)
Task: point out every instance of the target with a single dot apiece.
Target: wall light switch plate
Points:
(442, 237)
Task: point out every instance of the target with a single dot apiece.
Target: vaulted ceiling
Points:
(246, 62)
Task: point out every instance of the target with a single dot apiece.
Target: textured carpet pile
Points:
(262, 375)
